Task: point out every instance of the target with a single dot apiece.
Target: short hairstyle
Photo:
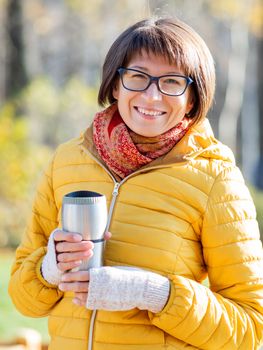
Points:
(176, 41)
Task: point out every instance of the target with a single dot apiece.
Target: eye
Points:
(136, 75)
(172, 81)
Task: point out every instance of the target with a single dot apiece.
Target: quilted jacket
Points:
(187, 215)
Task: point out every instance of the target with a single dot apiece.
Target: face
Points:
(150, 113)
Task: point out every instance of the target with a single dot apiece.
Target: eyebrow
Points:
(147, 70)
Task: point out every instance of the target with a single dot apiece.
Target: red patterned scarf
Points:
(123, 150)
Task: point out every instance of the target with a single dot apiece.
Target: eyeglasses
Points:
(171, 84)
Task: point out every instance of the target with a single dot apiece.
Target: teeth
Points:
(148, 112)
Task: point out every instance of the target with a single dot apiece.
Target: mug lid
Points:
(83, 197)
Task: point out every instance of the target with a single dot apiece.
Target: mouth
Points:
(149, 113)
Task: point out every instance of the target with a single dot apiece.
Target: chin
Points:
(148, 134)
(147, 131)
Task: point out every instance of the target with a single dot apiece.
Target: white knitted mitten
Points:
(49, 268)
(124, 288)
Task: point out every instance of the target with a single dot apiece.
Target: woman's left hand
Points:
(76, 282)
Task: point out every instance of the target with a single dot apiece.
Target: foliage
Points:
(246, 11)
(31, 125)
(20, 162)
(58, 113)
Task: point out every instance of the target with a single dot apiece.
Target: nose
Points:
(153, 93)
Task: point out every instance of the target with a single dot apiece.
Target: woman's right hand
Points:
(71, 250)
(65, 251)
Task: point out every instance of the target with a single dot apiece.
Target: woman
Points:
(180, 212)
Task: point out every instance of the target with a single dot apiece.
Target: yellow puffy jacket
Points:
(187, 215)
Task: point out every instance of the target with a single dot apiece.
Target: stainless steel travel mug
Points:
(85, 212)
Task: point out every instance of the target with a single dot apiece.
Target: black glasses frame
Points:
(155, 80)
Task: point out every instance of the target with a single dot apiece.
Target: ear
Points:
(115, 91)
(190, 104)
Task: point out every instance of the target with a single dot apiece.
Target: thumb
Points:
(107, 235)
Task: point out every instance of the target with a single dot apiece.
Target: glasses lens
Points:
(173, 85)
(134, 80)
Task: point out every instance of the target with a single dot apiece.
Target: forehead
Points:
(153, 63)
(170, 43)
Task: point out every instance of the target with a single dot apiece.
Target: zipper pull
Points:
(116, 189)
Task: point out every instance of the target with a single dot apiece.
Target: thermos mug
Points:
(85, 212)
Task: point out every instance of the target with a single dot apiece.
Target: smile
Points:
(149, 112)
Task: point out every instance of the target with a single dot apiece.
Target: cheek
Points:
(185, 103)
(178, 105)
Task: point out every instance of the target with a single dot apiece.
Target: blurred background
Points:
(51, 54)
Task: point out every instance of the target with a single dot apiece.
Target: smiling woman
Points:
(179, 212)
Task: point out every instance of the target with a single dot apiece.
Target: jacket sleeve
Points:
(229, 314)
(30, 293)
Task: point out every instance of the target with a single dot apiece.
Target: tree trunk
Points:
(259, 181)
(235, 85)
(15, 74)
(249, 121)
(3, 58)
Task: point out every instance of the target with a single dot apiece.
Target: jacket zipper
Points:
(94, 312)
(112, 204)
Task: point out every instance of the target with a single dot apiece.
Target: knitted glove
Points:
(49, 268)
(124, 288)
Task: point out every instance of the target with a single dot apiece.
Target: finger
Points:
(107, 235)
(80, 299)
(79, 302)
(80, 276)
(81, 296)
(60, 235)
(74, 247)
(74, 287)
(68, 266)
(67, 257)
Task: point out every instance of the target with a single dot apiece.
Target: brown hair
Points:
(176, 41)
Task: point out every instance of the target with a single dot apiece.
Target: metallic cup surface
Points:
(85, 212)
